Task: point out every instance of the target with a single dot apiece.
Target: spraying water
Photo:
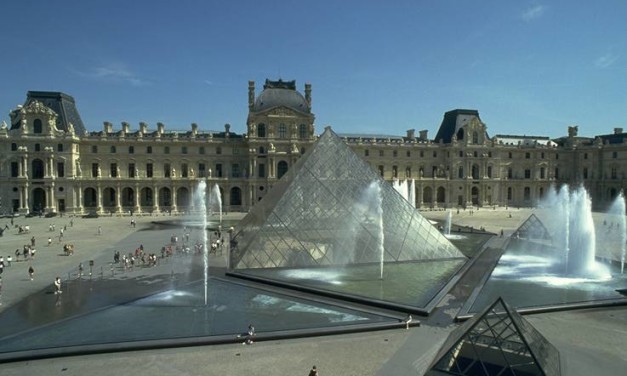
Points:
(412, 193)
(215, 201)
(617, 211)
(447, 225)
(379, 217)
(200, 200)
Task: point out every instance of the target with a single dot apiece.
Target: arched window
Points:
(14, 147)
(261, 130)
(460, 134)
(236, 196)
(37, 126)
(281, 169)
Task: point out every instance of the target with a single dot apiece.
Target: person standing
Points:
(57, 285)
(313, 371)
(32, 242)
(31, 272)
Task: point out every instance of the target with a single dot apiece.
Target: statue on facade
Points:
(4, 125)
(79, 172)
(191, 173)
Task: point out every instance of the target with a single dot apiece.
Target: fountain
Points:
(215, 202)
(448, 223)
(200, 198)
(412, 193)
(617, 214)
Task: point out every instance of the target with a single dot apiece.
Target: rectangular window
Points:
(381, 153)
(113, 170)
(489, 172)
(542, 173)
(261, 170)
(381, 170)
(94, 170)
(131, 170)
(395, 153)
(366, 153)
(510, 155)
(235, 170)
(408, 154)
(422, 154)
(149, 170)
(131, 149)
(509, 173)
(60, 169)
(148, 149)
(94, 149)
(235, 151)
(218, 150)
(302, 131)
(557, 173)
(614, 155)
(585, 155)
(201, 150)
(166, 150)
(527, 155)
(542, 155)
(60, 148)
(184, 150)
(282, 131)
(218, 170)
(14, 169)
(184, 170)
(202, 170)
(167, 170)
(113, 149)
(585, 172)
(527, 174)
(613, 172)
(435, 154)
(557, 156)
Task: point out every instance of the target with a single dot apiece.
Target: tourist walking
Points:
(31, 272)
(313, 371)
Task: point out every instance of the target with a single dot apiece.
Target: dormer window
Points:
(37, 126)
(261, 130)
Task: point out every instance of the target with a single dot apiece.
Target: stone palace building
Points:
(49, 161)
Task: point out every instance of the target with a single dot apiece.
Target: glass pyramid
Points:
(333, 209)
(497, 341)
(533, 229)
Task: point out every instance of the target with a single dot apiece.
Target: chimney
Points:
(423, 135)
(308, 94)
(227, 129)
(411, 134)
(108, 127)
(126, 127)
(160, 128)
(251, 94)
(143, 127)
(618, 130)
(194, 129)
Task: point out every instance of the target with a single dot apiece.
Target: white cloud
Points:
(533, 12)
(606, 60)
(113, 72)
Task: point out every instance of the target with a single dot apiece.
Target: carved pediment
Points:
(38, 108)
(282, 112)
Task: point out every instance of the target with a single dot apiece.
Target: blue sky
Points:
(529, 67)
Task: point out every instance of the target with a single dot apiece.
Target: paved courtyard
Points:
(590, 341)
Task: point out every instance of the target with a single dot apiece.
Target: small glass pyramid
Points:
(497, 341)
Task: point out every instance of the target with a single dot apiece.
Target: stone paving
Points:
(590, 341)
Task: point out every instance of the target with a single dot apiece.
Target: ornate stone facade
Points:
(46, 166)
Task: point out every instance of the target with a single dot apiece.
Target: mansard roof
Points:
(449, 123)
(63, 105)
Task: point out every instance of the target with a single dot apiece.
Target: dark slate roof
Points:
(63, 105)
(614, 138)
(280, 93)
(447, 128)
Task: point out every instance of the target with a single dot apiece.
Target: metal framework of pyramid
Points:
(497, 341)
(332, 208)
(533, 229)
